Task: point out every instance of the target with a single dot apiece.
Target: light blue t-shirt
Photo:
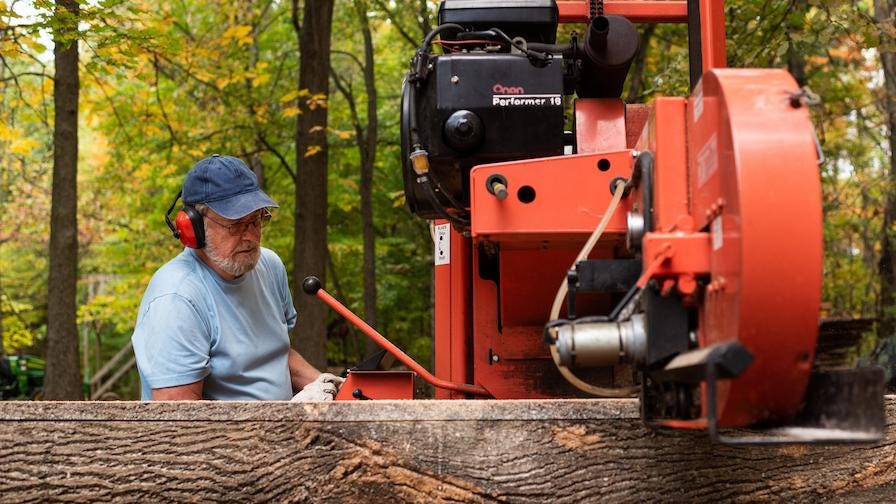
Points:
(194, 325)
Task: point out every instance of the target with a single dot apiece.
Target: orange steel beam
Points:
(712, 37)
(635, 11)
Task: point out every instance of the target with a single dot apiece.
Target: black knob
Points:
(311, 285)
(357, 394)
(463, 131)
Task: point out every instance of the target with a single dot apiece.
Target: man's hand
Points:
(323, 388)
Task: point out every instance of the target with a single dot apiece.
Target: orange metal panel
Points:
(759, 182)
(636, 11)
(568, 197)
(453, 323)
(690, 253)
(510, 358)
(667, 141)
(600, 125)
(377, 385)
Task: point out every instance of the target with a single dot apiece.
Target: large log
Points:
(519, 451)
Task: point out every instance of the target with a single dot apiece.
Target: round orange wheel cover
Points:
(755, 186)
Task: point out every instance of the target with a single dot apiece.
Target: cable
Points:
(561, 294)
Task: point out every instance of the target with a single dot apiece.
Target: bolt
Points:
(692, 337)
(455, 79)
(495, 358)
(636, 153)
(668, 285)
(687, 284)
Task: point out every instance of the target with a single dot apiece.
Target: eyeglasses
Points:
(258, 221)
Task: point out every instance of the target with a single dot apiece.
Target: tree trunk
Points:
(636, 78)
(368, 159)
(884, 11)
(796, 60)
(310, 256)
(63, 377)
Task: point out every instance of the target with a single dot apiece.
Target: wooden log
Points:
(387, 451)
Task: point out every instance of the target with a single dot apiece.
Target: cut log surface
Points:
(421, 451)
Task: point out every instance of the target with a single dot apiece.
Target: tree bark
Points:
(884, 12)
(368, 158)
(563, 451)
(310, 236)
(63, 377)
(796, 60)
(636, 78)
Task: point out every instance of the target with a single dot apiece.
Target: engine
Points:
(496, 93)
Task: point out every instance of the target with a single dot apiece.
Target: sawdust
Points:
(793, 451)
(576, 437)
(875, 474)
(878, 474)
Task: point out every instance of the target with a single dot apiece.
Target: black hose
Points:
(451, 201)
(458, 222)
(412, 115)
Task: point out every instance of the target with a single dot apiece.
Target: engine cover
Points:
(477, 108)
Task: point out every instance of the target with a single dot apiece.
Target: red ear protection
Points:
(188, 225)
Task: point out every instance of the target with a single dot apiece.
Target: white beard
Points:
(234, 266)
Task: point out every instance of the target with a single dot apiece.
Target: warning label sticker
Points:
(442, 252)
(707, 160)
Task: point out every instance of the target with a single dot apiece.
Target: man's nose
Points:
(253, 230)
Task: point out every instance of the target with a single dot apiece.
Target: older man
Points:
(214, 321)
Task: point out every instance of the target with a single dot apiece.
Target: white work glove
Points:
(323, 388)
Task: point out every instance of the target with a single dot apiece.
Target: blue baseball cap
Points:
(226, 185)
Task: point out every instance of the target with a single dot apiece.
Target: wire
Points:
(561, 294)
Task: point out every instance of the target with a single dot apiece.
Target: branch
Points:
(391, 15)
(161, 105)
(278, 155)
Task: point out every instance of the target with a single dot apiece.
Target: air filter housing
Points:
(534, 20)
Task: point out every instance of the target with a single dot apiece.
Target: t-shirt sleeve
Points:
(289, 311)
(172, 343)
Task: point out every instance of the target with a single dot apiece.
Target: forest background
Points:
(307, 93)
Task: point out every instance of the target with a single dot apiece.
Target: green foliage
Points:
(165, 84)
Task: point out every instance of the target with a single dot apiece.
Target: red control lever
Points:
(311, 285)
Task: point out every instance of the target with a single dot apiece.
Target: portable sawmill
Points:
(585, 247)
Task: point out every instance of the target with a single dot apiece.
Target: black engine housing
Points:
(477, 108)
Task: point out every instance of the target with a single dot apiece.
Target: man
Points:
(214, 321)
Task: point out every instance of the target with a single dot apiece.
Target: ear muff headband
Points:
(188, 225)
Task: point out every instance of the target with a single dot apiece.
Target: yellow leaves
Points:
(242, 34)
(290, 96)
(32, 43)
(316, 129)
(261, 113)
(22, 146)
(260, 79)
(317, 100)
(312, 150)
(9, 48)
(290, 111)
(7, 133)
(143, 171)
(222, 82)
(343, 135)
